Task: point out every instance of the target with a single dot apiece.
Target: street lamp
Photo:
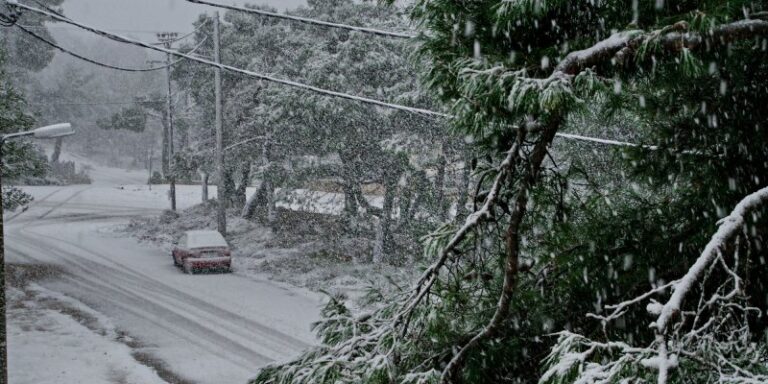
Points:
(47, 132)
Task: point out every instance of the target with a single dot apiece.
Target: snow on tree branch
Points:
(429, 276)
(715, 337)
(622, 45)
(512, 259)
(730, 227)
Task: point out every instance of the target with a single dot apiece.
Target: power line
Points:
(97, 103)
(260, 76)
(306, 20)
(49, 9)
(151, 31)
(78, 56)
(291, 83)
(606, 141)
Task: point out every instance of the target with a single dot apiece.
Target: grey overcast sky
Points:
(151, 15)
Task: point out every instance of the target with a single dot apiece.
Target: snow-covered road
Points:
(206, 328)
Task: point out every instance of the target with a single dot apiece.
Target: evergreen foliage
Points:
(19, 158)
(558, 234)
(133, 118)
(292, 139)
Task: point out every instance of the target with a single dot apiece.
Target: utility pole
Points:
(221, 211)
(167, 39)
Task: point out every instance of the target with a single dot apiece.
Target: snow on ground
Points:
(80, 345)
(306, 200)
(286, 255)
(206, 328)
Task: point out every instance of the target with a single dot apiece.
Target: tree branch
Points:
(429, 276)
(730, 227)
(452, 370)
(672, 39)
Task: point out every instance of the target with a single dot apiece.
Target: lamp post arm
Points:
(4, 138)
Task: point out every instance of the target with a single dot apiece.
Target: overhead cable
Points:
(97, 103)
(69, 27)
(606, 141)
(78, 56)
(306, 20)
(295, 84)
(260, 76)
(47, 8)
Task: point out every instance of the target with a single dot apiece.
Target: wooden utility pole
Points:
(3, 326)
(167, 39)
(221, 211)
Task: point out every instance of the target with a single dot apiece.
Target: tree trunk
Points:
(271, 209)
(452, 371)
(57, 150)
(350, 200)
(406, 201)
(164, 155)
(378, 244)
(240, 192)
(382, 250)
(348, 184)
(204, 184)
(262, 203)
(420, 186)
(440, 183)
(269, 182)
(257, 200)
(227, 193)
(461, 205)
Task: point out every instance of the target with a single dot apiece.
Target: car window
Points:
(183, 242)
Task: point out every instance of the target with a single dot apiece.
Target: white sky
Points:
(151, 15)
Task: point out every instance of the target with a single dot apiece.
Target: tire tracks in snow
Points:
(249, 342)
(172, 297)
(62, 203)
(66, 308)
(34, 203)
(136, 305)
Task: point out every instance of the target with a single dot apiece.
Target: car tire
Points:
(188, 269)
(175, 262)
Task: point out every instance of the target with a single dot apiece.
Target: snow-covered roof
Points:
(200, 239)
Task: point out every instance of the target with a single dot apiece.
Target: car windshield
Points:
(203, 239)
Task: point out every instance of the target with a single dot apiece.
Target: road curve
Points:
(211, 328)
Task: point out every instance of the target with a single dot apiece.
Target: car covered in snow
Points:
(202, 250)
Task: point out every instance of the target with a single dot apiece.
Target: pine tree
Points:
(553, 236)
(20, 158)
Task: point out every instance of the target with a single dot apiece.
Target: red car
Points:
(202, 250)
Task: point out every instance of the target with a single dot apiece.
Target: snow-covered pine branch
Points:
(729, 229)
(717, 339)
(430, 275)
(625, 45)
(452, 371)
